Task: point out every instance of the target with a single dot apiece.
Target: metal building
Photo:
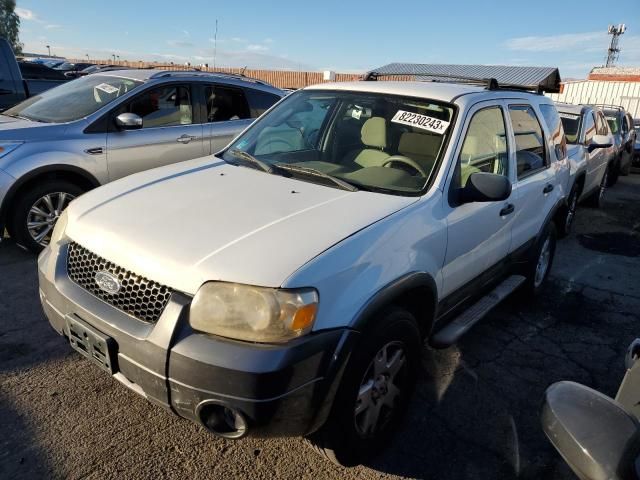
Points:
(626, 94)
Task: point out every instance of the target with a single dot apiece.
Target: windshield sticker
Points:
(356, 112)
(424, 122)
(571, 116)
(105, 87)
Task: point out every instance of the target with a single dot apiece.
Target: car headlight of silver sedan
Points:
(255, 314)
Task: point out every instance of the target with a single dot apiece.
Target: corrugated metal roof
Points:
(545, 78)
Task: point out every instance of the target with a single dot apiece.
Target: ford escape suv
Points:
(286, 286)
(67, 140)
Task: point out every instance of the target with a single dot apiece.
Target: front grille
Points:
(138, 296)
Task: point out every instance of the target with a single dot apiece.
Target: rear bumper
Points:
(280, 389)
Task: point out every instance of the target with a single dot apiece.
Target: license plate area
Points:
(92, 344)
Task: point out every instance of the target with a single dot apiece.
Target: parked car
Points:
(286, 286)
(71, 70)
(591, 156)
(620, 128)
(100, 68)
(101, 127)
(15, 86)
(597, 435)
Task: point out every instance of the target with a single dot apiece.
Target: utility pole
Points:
(614, 52)
(215, 44)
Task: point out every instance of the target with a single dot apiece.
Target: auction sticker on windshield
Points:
(424, 122)
(105, 87)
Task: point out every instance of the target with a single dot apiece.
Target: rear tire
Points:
(540, 262)
(57, 193)
(374, 390)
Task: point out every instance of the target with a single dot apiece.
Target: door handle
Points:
(508, 209)
(185, 138)
(548, 188)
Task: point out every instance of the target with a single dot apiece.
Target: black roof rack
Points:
(605, 105)
(492, 77)
(200, 73)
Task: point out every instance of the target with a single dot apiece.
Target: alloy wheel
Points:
(543, 262)
(380, 389)
(43, 215)
(571, 213)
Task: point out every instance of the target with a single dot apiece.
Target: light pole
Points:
(49, 48)
(87, 55)
(114, 56)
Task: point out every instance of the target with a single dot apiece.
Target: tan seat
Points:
(374, 136)
(421, 147)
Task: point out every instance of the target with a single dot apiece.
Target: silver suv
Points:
(57, 145)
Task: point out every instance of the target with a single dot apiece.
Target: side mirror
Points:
(598, 141)
(129, 121)
(485, 187)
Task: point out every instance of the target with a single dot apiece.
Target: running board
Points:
(451, 333)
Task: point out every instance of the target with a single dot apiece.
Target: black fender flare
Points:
(392, 291)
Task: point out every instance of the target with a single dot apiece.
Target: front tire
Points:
(569, 213)
(540, 262)
(596, 199)
(36, 211)
(374, 391)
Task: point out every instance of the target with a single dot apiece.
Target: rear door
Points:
(598, 158)
(479, 233)
(171, 131)
(535, 179)
(227, 113)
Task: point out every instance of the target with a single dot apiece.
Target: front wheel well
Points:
(83, 181)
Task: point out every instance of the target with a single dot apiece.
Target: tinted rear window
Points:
(259, 101)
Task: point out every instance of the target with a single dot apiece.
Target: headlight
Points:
(8, 147)
(254, 314)
(59, 229)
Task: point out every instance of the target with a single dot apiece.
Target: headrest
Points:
(374, 132)
(419, 144)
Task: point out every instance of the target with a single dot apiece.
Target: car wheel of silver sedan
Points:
(35, 211)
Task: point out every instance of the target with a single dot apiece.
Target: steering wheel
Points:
(406, 161)
(276, 144)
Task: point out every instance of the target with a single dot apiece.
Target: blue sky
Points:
(346, 35)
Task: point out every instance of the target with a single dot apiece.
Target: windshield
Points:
(571, 125)
(371, 141)
(73, 100)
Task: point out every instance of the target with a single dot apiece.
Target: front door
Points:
(479, 233)
(170, 133)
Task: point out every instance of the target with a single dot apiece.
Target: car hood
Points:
(206, 220)
(20, 129)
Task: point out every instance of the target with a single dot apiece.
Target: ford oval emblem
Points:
(107, 282)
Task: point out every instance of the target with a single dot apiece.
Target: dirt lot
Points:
(61, 417)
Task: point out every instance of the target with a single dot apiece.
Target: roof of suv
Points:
(571, 108)
(148, 74)
(444, 92)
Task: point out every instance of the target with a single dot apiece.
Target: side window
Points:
(530, 150)
(625, 126)
(226, 103)
(589, 128)
(259, 101)
(163, 107)
(485, 146)
(601, 124)
(552, 119)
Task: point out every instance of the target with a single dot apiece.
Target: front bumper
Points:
(280, 389)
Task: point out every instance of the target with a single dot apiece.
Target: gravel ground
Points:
(474, 415)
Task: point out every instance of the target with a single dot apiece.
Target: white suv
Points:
(287, 286)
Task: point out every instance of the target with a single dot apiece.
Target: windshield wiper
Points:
(251, 159)
(317, 173)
